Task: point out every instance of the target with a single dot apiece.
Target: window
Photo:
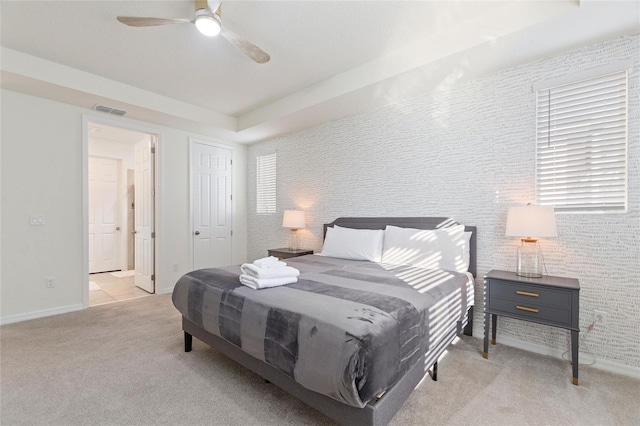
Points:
(581, 145)
(266, 184)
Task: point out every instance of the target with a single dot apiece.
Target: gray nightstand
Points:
(548, 300)
(285, 253)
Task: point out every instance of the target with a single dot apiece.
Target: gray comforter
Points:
(347, 329)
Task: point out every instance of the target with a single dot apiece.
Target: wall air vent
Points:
(110, 110)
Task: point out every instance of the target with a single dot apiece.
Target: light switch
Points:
(36, 220)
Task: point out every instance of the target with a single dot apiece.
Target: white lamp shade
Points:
(293, 219)
(531, 221)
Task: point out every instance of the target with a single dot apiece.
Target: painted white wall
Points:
(42, 174)
(113, 149)
(467, 151)
(174, 197)
(0, 209)
(126, 154)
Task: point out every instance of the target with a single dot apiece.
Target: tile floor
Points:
(113, 289)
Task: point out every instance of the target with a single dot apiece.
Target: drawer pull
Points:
(524, 308)
(526, 293)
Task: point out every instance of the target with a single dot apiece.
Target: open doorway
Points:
(120, 205)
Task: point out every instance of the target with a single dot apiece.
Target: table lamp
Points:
(530, 223)
(293, 219)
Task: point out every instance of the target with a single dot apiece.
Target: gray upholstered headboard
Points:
(408, 222)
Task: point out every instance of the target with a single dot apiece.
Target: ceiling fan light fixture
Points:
(207, 23)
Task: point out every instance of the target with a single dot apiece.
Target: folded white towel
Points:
(254, 271)
(269, 262)
(258, 283)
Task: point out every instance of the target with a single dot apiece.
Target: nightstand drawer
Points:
(526, 294)
(531, 311)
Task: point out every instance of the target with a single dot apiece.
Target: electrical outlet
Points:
(36, 220)
(175, 266)
(50, 282)
(600, 317)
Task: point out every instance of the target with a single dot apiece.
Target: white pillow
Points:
(446, 248)
(354, 244)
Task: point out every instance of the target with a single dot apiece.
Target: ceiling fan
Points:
(207, 20)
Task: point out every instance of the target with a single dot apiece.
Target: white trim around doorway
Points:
(86, 119)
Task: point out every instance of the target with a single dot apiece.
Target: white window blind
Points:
(266, 184)
(581, 145)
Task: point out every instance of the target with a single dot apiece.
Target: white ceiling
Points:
(328, 58)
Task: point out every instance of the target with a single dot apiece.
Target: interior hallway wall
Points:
(42, 174)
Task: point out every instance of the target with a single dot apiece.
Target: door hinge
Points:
(153, 277)
(231, 196)
(153, 149)
(153, 235)
(231, 162)
(232, 232)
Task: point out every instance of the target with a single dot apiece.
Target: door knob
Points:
(117, 228)
(134, 232)
(197, 232)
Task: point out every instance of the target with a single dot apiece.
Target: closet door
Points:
(211, 205)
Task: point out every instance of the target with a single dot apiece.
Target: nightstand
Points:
(285, 253)
(548, 300)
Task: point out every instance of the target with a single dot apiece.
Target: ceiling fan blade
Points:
(135, 21)
(251, 50)
(213, 5)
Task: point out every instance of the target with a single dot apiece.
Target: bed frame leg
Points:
(468, 329)
(434, 372)
(188, 342)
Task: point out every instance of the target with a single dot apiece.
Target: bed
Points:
(351, 338)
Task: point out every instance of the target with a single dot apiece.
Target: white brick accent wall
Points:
(467, 151)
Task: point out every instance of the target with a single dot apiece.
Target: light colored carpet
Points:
(124, 364)
(93, 286)
(124, 274)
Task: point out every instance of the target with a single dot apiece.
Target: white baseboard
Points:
(40, 314)
(601, 364)
(165, 290)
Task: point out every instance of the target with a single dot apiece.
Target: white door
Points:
(211, 205)
(144, 208)
(104, 229)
